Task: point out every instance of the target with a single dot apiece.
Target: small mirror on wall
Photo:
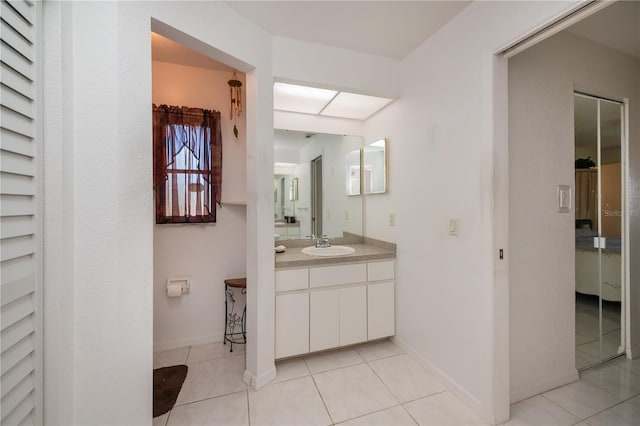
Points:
(375, 167)
(352, 172)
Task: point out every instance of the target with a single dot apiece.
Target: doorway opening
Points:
(316, 196)
(599, 220)
(200, 255)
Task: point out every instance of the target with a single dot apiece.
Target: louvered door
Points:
(20, 255)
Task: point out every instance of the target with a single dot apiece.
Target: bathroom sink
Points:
(328, 251)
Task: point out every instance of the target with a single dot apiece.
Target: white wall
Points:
(296, 61)
(451, 310)
(542, 80)
(99, 233)
(207, 253)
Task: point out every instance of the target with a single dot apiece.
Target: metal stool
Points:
(233, 320)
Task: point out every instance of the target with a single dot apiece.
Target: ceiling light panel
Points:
(351, 105)
(304, 99)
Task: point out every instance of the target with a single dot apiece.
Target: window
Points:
(187, 164)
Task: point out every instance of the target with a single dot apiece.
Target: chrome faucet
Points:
(323, 242)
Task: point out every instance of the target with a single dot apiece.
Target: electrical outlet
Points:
(392, 219)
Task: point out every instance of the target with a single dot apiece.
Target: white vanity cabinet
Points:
(333, 306)
(292, 312)
(292, 324)
(337, 317)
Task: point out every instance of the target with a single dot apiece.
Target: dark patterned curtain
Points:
(187, 163)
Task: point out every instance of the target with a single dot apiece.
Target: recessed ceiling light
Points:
(304, 99)
(351, 105)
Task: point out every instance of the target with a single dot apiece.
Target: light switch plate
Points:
(564, 198)
(453, 226)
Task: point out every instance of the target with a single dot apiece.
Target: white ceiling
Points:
(166, 50)
(384, 28)
(616, 26)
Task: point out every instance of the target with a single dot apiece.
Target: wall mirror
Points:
(375, 167)
(314, 164)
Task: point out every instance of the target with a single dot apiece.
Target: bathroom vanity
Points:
(328, 302)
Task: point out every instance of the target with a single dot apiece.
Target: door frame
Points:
(500, 242)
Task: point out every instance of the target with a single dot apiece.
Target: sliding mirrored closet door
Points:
(599, 229)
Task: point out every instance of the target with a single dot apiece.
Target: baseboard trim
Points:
(451, 385)
(633, 351)
(256, 382)
(198, 340)
(524, 392)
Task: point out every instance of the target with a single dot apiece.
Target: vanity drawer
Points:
(292, 279)
(337, 275)
(380, 271)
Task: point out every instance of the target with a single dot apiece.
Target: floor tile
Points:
(632, 365)
(211, 378)
(160, 420)
(588, 323)
(625, 414)
(406, 379)
(587, 328)
(227, 410)
(635, 401)
(213, 351)
(378, 349)
(442, 409)
(352, 392)
(294, 402)
(587, 304)
(614, 379)
(290, 369)
(539, 411)
(582, 399)
(331, 360)
(610, 345)
(170, 357)
(396, 416)
(584, 360)
(612, 310)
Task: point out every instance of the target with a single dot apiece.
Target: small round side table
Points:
(235, 324)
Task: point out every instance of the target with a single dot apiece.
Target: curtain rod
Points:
(193, 114)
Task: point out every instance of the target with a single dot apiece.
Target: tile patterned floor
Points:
(588, 330)
(606, 395)
(377, 384)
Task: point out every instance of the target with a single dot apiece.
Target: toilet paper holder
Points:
(184, 283)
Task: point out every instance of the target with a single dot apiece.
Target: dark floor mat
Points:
(167, 382)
